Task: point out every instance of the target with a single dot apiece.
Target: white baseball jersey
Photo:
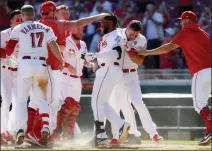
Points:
(108, 42)
(32, 38)
(10, 61)
(139, 43)
(78, 63)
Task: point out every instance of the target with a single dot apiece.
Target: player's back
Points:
(33, 38)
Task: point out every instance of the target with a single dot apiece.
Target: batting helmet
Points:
(48, 6)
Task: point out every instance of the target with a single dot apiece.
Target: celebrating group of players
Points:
(44, 59)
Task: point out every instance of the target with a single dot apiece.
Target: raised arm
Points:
(160, 50)
(68, 25)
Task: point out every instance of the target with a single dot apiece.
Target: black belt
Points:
(29, 57)
(73, 76)
(128, 70)
(10, 68)
(115, 63)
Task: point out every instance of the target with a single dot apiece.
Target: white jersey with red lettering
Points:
(71, 46)
(8, 84)
(71, 85)
(122, 101)
(33, 38)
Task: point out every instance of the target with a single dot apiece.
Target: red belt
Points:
(29, 57)
(128, 70)
(73, 76)
(115, 63)
(10, 68)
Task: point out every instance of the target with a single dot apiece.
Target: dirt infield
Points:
(146, 145)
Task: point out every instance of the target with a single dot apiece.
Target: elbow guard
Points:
(119, 50)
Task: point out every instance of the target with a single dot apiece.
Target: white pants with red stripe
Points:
(132, 95)
(71, 87)
(8, 93)
(106, 79)
(201, 88)
(31, 73)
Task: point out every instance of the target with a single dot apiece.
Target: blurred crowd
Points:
(157, 31)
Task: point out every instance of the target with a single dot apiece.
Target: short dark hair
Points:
(112, 18)
(14, 12)
(28, 10)
(135, 25)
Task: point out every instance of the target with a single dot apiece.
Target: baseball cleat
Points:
(123, 132)
(206, 140)
(157, 138)
(100, 139)
(19, 137)
(8, 137)
(28, 139)
(113, 142)
(3, 142)
(132, 139)
(44, 136)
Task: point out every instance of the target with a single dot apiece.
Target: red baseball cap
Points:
(188, 15)
(47, 7)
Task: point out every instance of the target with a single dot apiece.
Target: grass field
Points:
(146, 145)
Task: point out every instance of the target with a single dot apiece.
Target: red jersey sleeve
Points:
(64, 25)
(180, 38)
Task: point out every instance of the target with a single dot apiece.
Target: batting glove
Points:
(90, 56)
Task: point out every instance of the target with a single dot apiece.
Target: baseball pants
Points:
(71, 87)
(54, 96)
(106, 79)
(201, 88)
(31, 74)
(8, 93)
(133, 94)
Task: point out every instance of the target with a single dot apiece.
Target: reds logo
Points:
(104, 44)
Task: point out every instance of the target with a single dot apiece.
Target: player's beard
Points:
(76, 37)
(105, 30)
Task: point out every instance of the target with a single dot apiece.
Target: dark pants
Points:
(152, 62)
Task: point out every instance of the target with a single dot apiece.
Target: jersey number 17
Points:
(39, 36)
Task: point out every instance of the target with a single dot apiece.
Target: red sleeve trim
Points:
(11, 46)
(67, 64)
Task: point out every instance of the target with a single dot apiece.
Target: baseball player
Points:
(63, 13)
(33, 39)
(107, 76)
(196, 46)
(71, 85)
(47, 11)
(129, 64)
(8, 82)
